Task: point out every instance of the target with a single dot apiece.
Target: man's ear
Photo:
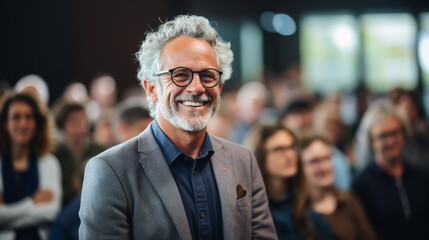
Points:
(150, 88)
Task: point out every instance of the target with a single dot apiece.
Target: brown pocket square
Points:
(241, 192)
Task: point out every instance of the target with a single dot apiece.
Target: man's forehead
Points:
(186, 47)
(386, 123)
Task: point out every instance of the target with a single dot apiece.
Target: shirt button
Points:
(202, 214)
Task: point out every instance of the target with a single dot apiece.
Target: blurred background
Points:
(329, 46)
(315, 67)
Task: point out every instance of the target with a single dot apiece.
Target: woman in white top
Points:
(30, 177)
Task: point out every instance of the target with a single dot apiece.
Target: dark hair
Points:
(132, 115)
(296, 106)
(64, 112)
(42, 142)
(301, 200)
(306, 141)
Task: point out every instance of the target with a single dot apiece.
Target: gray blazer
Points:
(130, 193)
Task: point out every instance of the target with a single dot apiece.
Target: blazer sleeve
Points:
(262, 221)
(103, 211)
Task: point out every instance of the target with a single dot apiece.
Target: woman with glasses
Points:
(275, 148)
(30, 177)
(344, 213)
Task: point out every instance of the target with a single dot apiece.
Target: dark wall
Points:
(38, 37)
(110, 34)
(65, 41)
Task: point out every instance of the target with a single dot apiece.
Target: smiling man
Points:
(174, 181)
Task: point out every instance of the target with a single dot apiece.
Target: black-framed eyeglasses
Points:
(282, 149)
(388, 134)
(183, 76)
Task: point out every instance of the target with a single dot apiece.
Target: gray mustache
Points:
(191, 97)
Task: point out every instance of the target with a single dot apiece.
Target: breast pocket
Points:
(242, 202)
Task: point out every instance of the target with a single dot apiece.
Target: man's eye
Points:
(207, 77)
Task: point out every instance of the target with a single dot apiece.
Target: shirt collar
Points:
(171, 152)
(381, 172)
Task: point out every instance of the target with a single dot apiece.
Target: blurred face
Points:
(407, 109)
(300, 121)
(189, 108)
(387, 140)
(21, 123)
(127, 131)
(281, 159)
(317, 165)
(76, 127)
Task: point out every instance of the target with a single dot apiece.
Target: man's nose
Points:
(196, 87)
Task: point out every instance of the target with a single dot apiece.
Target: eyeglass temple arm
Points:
(162, 72)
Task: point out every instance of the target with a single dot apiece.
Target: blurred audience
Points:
(222, 122)
(362, 146)
(76, 92)
(394, 194)
(298, 117)
(4, 88)
(103, 95)
(103, 131)
(275, 148)
(344, 213)
(132, 120)
(30, 177)
(327, 123)
(410, 108)
(76, 145)
(251, 102)
(66, 225)
(35, 86)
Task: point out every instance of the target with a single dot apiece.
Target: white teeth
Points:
(194, 104)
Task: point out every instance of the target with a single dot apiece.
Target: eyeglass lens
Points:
(183, 76)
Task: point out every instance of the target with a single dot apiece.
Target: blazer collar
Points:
(226, 180)
(158, 172)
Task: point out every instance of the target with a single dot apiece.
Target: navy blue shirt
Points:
(197, 186)
(397, 208)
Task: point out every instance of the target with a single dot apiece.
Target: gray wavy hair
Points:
(149, 55)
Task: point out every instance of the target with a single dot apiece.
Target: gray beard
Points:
(194, 122)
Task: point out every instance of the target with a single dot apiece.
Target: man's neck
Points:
(187, 142)
(393, 167)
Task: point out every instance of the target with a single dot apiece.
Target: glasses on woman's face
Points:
(183, 76)
(282, 149)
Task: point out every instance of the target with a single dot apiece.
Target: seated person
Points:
(394, 194)
(76, 146)
(132, 120)
(275, 148)
(343, 212)
(30, 177)
(66, 226)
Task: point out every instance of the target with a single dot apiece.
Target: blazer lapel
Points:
(223, 169)
(157, 170)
